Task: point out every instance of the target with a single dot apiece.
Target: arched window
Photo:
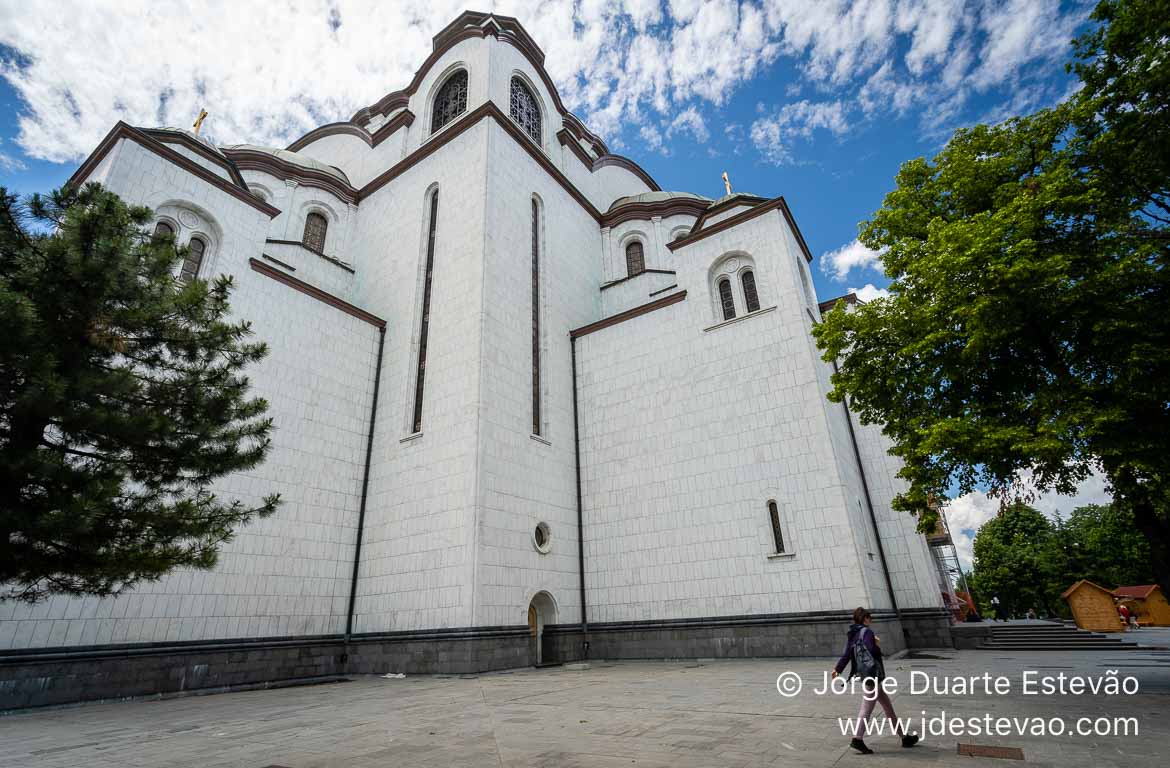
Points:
(425, 324)
(777, 534)
(535, 318)
(315, 228)
(194, 259)
(163, 228)
(725, 299)
(635, 259)
(451, 100)
(524, 109)
(750, 298)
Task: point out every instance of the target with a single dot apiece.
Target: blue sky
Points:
(817, 100)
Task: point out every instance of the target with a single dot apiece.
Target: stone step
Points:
(1061, 647)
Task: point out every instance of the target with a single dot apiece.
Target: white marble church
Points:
(529, 407)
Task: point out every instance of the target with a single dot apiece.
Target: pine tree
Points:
(122, 399)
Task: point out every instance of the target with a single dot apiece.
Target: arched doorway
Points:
(542, 611)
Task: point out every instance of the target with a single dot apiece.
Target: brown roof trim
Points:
(254, 160)
(629, 314)
(567, 139)
(484, 111)
(330, 129)
(629, 165)
(123, 131)
(330, 259)
(199, 148)
(719, 206)
(677, 206)
(825, 306)
(316, 293)
(402, 119)
(619, 281)
(739, 218)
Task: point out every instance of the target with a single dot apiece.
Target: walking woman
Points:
(863, 652)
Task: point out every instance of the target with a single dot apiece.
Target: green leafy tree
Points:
(1102, 544)
(122, 398)
(1018, 558)
(1027, 330)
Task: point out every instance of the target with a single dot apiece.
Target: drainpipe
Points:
(357, 550)
(873, 517)
(580, 523)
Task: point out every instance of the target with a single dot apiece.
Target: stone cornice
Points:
(124, 131)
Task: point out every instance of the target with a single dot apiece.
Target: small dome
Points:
(656, 197)
(296, 158)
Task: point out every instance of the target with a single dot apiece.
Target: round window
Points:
(542, 537)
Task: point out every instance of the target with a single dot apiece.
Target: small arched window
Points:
(524, 109)
(777, 534)
(726, 300)
(163, 228)
(750, 298)
(316, 226)
(194, 259)
(635, 259)
(451, 100)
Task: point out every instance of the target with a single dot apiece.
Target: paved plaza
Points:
(679, 714)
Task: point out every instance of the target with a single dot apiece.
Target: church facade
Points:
(528, 407)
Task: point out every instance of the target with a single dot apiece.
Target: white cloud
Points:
(689, 121)
(270, 72)
(774, 135)
(9, 163)
(966, 514)
(652, 138)
(869, 292)
(840, 262)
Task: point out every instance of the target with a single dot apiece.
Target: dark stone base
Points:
(745, 637)
(46, 677)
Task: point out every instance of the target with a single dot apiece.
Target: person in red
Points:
(864, 654)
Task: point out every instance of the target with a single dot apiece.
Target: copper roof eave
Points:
(253, 160)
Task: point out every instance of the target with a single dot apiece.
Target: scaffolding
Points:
(946, 562)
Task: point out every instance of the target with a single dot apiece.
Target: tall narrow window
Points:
(194, 259)
(451, 101)
(535, 318)
(777, 534)
(726, 300)
(163, 228)
(635, 259)
(315, 228)
(524, 110)
(750, 298)
(426, 315)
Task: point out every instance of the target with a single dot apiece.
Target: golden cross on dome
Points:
(199, 120)
(727, 182)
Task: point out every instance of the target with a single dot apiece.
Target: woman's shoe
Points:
(859, 745)
(909, 739)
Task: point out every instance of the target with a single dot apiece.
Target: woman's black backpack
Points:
(865, 664)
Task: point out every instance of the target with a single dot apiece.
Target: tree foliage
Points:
(1027, 328)
(1018, 558)
(1028, 560)
(122, 399)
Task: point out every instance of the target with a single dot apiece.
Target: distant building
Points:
(1148, 602)
(599, 417)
